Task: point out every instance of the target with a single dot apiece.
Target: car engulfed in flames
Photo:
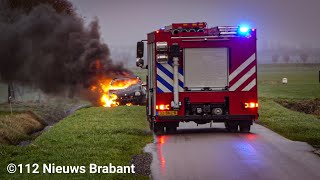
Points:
(110, 89)
(111, 86)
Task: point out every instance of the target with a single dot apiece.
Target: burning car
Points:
(114, 87)
(130, 91)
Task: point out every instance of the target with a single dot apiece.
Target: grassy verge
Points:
(93, 135)
(291, 124)
(303, 84)
(29, 117)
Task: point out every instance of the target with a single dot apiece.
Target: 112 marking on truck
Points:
(200, 74)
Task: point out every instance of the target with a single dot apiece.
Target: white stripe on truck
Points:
(250, 85)
(243, 79)
(242, 67)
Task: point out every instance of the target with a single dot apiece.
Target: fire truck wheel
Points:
(171, 129)
(158, 128)
(245, 128)
(231, 126)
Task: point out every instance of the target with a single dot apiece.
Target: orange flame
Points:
(109, 101)
(102, 88)
(106, 84)
(123, 83)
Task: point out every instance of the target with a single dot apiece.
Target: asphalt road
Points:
(212, 153)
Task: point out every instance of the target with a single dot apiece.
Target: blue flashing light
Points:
(244, 31)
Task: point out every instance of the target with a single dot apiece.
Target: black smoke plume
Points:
(50, 49)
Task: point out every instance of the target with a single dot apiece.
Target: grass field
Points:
(140, 72)
(93, 135)
(303, 83)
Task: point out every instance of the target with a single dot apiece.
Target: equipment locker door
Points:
(206, 68)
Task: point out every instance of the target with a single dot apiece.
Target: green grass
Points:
(303, 83)
(140, 72)
(291, 124)
(93, 135)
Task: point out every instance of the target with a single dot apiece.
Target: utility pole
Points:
(11, 95)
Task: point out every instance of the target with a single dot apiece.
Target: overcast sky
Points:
(123, 22)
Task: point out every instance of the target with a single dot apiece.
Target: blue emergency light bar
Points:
(243, 31)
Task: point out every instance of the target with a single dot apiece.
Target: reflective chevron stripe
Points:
(242, 67)
(250, 85)
(165, 78)
(244, 79)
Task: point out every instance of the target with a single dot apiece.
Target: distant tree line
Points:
(300, 56)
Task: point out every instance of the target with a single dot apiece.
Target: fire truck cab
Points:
(200, 74)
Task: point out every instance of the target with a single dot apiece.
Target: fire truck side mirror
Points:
(140, 49)
(175, 50)
(140, 63)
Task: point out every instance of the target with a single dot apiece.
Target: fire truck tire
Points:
(171, 129)
(158, 128)
(231, 126)
(245, 128)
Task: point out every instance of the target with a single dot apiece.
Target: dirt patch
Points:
(17, 127)
(311, 106)
(142, 163)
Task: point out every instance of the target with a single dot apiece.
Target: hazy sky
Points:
(123, 22)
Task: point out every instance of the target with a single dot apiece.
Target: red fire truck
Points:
(200, 74)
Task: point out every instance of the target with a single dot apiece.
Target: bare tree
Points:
(286, 58)
(304, 57)
(275, 58)
(11, 94)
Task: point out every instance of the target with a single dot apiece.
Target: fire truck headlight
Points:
(137, 93)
